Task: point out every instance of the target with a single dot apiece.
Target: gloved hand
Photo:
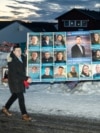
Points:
(26, 84)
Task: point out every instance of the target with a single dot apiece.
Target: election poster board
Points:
(63, 56)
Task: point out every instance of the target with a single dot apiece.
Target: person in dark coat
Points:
(78, 50)
(16, 78)
(60, 57)
(47, 74)
(46, 42)
(47, 58)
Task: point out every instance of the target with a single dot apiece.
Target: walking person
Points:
(16, 81)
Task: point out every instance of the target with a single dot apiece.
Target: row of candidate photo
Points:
(47, 58)
(64, 73)
(49, 40)
(58, 57)
(61, 39)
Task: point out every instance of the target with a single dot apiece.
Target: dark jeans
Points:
(21, 101)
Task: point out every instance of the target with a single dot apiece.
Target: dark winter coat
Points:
(16, 73)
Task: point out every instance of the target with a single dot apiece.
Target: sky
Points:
(41, 10)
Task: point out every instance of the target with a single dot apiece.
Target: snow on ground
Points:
(3, 60)
(56, 100)
(59, 99)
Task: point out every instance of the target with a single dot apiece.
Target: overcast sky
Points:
(41, 10)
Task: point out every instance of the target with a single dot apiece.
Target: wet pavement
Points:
(48, 124)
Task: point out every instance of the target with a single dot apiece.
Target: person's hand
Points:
(26, 52)
(29, 80)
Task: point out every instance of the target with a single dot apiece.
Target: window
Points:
(75, 23)
(84, 23)
(66, 23)
(78, 23)
(72, 23)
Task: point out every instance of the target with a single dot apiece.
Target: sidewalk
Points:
(48, 124)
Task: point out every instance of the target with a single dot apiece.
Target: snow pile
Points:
(3, 59)
(41, 98)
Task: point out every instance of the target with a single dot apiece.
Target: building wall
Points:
(14, 33)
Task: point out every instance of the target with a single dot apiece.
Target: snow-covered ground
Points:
(59, 99)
